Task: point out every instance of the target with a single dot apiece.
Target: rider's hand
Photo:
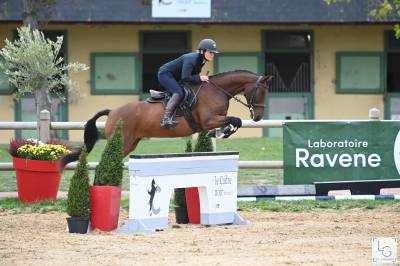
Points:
(204, 78)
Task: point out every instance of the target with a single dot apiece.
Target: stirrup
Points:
(168, 123)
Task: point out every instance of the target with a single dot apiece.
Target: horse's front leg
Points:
(230, 126)
(211, 122)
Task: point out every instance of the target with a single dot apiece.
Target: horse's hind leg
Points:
(130, 146)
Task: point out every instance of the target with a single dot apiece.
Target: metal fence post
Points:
(44, 126)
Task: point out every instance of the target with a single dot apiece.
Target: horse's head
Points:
(255, 94)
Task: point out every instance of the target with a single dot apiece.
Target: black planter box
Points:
(78, 224)
(181, 215)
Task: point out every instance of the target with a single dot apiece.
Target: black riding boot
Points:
(172, 104)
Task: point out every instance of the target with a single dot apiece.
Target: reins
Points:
(230, 95)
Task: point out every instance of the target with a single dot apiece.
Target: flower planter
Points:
(105, 202)
(193, 204)
(36, 180)
(78, 224)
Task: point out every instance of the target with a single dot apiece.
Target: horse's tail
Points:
(90, 137)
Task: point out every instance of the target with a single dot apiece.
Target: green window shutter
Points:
(114, 73)
(238, 61)
(5, 86)
(26, 111)
(359, 72)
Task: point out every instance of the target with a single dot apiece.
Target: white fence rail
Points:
(45, 125)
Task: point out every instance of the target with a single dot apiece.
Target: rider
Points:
(185, 68)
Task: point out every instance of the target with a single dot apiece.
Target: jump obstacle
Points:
(154, 177)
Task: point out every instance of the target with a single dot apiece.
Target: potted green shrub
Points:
(181, 215)
(203, 144)
(36, 166)
(78, 201)
(105, 194)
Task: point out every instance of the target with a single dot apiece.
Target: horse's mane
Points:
(233, 72)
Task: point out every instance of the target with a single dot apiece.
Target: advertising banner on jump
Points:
(340, 151)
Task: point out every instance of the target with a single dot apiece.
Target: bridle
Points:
(250, 103)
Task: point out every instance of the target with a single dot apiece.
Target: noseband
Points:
(251, 103)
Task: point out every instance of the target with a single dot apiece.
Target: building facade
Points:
(328, 62)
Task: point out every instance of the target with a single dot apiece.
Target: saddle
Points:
(185, 107)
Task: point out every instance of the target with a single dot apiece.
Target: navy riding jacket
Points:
(185, 68)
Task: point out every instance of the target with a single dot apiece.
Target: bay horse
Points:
(142, 119)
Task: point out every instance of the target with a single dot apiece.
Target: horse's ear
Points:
(266, 79)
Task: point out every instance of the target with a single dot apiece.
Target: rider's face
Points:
(209, 56)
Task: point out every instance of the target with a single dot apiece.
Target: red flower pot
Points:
(36, 180)
(193, 204)
(105, 202)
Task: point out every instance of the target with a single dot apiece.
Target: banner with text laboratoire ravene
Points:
(340, 151)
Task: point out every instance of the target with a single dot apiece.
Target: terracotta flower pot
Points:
(36, 180)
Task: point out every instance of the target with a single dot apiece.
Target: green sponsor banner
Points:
(340, 151)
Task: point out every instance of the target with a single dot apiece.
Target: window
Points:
(359, 72)
(26, 111)
(392, 42)
(237, 61)
(5, 86)
(291, 72)
(278, 40)
(392, 64)
(392, 92)
(114, 73)
(394, 103)
(288, 58)
(157, 48)
(393, 72)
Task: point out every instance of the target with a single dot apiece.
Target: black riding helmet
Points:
(208, 44)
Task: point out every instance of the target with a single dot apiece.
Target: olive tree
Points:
(33, 66)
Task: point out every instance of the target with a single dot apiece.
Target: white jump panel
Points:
(153, 178)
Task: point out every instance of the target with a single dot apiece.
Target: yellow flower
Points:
(50, 152)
